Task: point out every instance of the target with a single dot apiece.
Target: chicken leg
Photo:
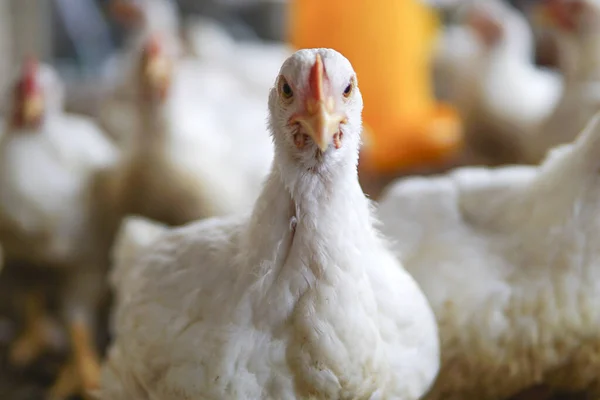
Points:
(41, 331)
(81, 375)
(80, 302)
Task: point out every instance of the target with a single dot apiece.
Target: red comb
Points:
(153, 45)
(28, 75)
(315, 80)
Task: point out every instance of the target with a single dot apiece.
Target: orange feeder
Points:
(389, 43)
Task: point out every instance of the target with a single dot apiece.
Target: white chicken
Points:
(253, 63)
(215, 66)
(500, 92)
(50, 216)
(180, 163)
(300, 299)
(460, 48)
(578, 23)
(142, 17)
(508, 258)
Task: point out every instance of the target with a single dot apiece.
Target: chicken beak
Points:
(33, 107)
(158, 73)
(320, 120)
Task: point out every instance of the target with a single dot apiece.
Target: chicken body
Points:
(50, 214)
(299, 299)
(46, 174)
(458, 54)
(508, 259)
(45, 179)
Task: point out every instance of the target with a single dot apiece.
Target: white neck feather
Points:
(330, 209)
(153, 127)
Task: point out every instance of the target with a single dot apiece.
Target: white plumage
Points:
(502, 95)
(508, 258)
(299, 299)
(52, 215)
(46, 174)
(580, 43)
(458, 56)
(189, 153)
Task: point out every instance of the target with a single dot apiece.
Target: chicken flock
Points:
(217, 205)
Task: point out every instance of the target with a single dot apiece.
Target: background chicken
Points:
(502, 95)
(578, 25)
(293, 284)
(179, 162)
(50, 216)
(507, 258)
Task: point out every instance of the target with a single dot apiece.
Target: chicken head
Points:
(155, 70)
(487, 27)
(574, 16)
(28, 98)
(315, 107)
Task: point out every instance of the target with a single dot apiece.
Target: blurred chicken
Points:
(459, 52)
(50, 216)
(180, 162)
(502, 95)
(577, 22)
(508, 258)
(141, 17)
(205, 39)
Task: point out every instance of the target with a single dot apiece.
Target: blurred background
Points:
(445, 83)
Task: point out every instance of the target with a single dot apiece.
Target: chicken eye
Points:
(348, 90)
(285, 89)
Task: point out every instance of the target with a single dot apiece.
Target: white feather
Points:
(508, 259)
(299, 299)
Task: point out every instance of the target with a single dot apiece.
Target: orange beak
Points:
(33, 107)
(320, 120)
(157, 68)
